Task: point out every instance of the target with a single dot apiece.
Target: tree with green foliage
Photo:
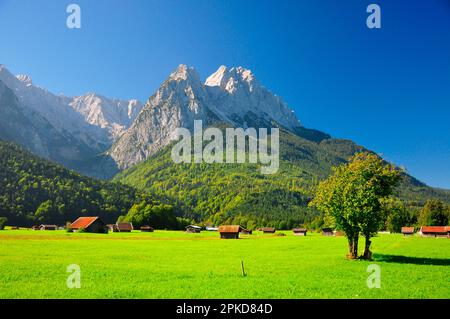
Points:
(434, 213)
(3, 221)
(398, 215)
(160, 216)
(352, 197)
(46, 212)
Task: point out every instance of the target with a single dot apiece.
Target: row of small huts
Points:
(428, 231)
(96, 225)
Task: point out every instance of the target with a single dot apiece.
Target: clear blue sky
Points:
(387, 89)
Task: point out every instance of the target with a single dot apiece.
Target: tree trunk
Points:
(367, 252)
(352, 247)
(355, 247)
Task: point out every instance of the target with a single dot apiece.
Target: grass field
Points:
(169, 264)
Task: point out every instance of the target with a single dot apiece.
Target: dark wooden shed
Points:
(193, 229)
(299, 231)
(147, 229)
(327, 231)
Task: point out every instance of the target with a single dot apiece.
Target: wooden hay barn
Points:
(268, 230)
(230, 231)
(193, 229)
(147, 229)
(124, 227)
(299, 231)
(339, 233)
(36, 227)
(89, 224)
(48, 227)
(408, 231)
(112, 227)
(327, 232)
(246, 231)
(435, 231)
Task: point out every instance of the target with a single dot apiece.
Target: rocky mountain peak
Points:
(26, 79)
(230, 79)
(183, 72)
(229, 95)
(218, 78)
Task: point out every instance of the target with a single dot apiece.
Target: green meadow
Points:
(171, 264)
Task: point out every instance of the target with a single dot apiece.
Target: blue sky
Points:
(387, 89)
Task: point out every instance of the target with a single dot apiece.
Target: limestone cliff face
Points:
(230, 96)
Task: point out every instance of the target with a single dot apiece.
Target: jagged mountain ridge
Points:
(114, 115)
(30, 129)
(92, 116)
(232, 96)
(69, 130)
(94, 122)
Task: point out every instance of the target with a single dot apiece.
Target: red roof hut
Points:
(435, 231)
(89, 224)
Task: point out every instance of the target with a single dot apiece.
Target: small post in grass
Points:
(243, 270)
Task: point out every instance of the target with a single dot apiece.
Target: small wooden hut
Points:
(435, 231)
(112, 227)
(193, 229)
(89, 224)
(230, 231)
(124, 227)
(408, 231)
(299, 231)
(147, 229)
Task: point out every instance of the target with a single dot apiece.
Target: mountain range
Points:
(88, 131)
(69, 130)
(131, 141)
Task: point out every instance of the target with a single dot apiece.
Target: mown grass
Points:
(169, 264)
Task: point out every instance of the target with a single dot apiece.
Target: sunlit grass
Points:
(169, 264)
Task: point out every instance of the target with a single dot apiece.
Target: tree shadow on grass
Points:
(411, 260)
